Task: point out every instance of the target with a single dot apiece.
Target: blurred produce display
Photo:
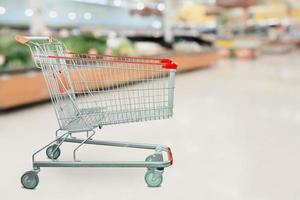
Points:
(14, 56)
(269, 11)
(148, 48)
(240, 47)
(188, 47)
(85, 43)
(277, 48)
(123, 47)
(234, 3)
(295, 13)
(196, 14)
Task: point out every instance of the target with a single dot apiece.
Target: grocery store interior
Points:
(235, 131)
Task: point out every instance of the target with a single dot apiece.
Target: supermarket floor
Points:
(235, 136)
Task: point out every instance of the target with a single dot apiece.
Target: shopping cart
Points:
(89, 91)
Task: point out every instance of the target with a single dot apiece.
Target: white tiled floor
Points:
(235, 136)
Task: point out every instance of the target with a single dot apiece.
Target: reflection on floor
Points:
(235, 135)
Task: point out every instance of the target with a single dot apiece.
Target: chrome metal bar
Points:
(83, 142)
(117, 144)
(38, 164)
(36, 38)
(171, 90)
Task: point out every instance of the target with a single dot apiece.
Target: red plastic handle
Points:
(170, 66)
(170, 155)
(165, 60)
(165, 63)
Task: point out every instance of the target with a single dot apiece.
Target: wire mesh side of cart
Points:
(118, 58)
(88, 92)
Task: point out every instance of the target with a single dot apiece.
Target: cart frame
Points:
(67, 137)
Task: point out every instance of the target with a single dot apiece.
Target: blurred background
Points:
(196, 34)
(235, 132)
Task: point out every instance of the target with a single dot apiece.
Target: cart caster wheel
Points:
(153, 178)
(30, 180)
(51, 154)
(155, 158)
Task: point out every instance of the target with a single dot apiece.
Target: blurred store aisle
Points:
(235, 135)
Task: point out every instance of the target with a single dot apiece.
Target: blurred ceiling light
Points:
(87, 16)
(101, 2)
(156, 24)
(2, 10)
(72, 15)
(52, 14)
(29, 12)
(117, 3)
(161, 6)
(140, 6)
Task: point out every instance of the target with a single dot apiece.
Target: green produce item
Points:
(84, 43)
(16, 56)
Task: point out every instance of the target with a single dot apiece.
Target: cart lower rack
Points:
(89, 91)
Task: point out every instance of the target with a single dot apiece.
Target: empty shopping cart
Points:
(89, 91)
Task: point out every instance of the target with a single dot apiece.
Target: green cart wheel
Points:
(51, 154)
(153, 178)
(30, 180)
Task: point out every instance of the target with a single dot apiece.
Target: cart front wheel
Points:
(30, 180)
(153, 178)
(53, 155)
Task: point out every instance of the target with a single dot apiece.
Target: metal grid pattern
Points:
(116, 58)
(89, 90)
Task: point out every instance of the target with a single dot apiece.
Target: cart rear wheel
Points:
(153, 178)
(51, 154)
(30, 180)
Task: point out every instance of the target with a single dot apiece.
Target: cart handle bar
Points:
(25, 39)
(164, 65)
(162, 60)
